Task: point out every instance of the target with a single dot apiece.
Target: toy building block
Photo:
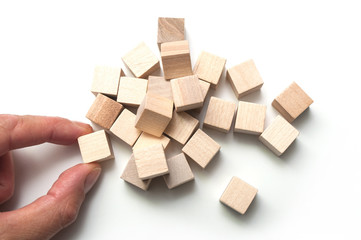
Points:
(201, 148)
(132, 91)
(130, 175)
(141, 61)
(146, 140)
(250, 118)
(204, 88)
(104, 111)
(95, 147)
(292, 102)
(244, 78)
(179, 171)
(150, 161)
(220, 114)
(238, 195)
(124, 127)
(176, 59)
(154, 114)
(170, 30)
(159, 86)
(106, 80)
(279, 135)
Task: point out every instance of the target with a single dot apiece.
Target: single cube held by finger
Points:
(95, 147)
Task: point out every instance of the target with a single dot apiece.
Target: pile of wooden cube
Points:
(163, 104)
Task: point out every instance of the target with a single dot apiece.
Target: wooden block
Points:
(130, 175)
(170, 30)
(150, 161)
(209, 68)
(204, 88)
(106, 80)
(159, 86)
(244, 78)
(292, 102)
(95, 147)
(146, 140)
(181, 127)
(154, 114)
(132, 91)
(250, 118)
(124, 127)
(104, 111)
(279, 135)
(238, 195)
(220, 114)
(201, 148)
(141, 61)
(176, 59)
(179, 171)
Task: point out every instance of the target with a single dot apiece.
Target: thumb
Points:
(49, 214)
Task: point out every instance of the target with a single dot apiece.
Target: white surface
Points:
(47, 55)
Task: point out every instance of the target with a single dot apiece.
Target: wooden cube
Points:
(130, 175)
(250, 118)
(159, 86)
(146, 140)
(124, 127)
(95, 147)
(279, 135)
(201, 148)
(244, 78)
(220, 114)
(204, 89)
(179, 171)
(292, 102)
(170, 30)
(141, 61)
(238, 195)
(176, 59)
(106, 80)
(104, 111)
(132, 91)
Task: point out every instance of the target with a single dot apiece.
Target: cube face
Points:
(159, 86)
(132, 91)
(170, 30)
(250, 118)
(179, 171)
(106, 80)
(95, 147)
(124, 127)
(130, 175)
(145, 140)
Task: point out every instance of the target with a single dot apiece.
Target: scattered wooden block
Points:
(292, 102)
(238, 195)
(201, 148)
(204, 88)
(250, 118)
(279, 135)
(170, 30)
(130, 175)
(244, 78)
(132, 91)
(95, 147)
(159, 86)
(106, 80)
(146, 140)
(179, 171)
(124, 127)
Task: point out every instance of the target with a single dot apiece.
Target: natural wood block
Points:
(176, 59)
(279, 135)
(187, 93)
(179, 171)
(201, 148)
(104, 111)
(154, 114)
(238, 195)
(130, 175)
(141, 61)
(124, 127)
(95, 147)
(150, 161)
(292, 102)
(220, 114)
(204, 88)
(244, 78)
(132, 91)
(159, 86)
(106, 80)
(146, 140)
(170, 30)
(250, 118)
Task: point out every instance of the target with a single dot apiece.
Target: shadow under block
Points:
(132, 91)
(238, 195)
(95, 147)
(179, 171)
(292, 102)
(159, 86)
(130, 175)
(220, 114)
(104, 111)
(201, 148)
(106, 80)
(141, 61)
(150, 161)
(146, 140)
(244, 78)
(176, 59)
(170, 30)
(279, 135)
(250, 118)
(124, 127)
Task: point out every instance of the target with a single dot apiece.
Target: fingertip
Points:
(83, 127)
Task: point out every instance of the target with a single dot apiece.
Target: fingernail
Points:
(91, 179)
(85, 127)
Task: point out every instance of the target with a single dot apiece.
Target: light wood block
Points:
(132, 91)
(279, 135)
(238, 195)
(150, 161)
(176, 59)
(187, 93)
(159, 86)
(95, 147)
(170, 30)
(220, 114)
(179, 171)
(201, 148)
(106, 80)
(292, 102)
(244, 78)
(130, 175)
(146, 140)
(124, 127)
(204, 88)
(104, 111)
(141, 61)
(250, 118)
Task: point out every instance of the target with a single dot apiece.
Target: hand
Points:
(46, 216)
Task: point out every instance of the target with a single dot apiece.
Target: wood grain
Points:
(130, 175)
(170, 30)
(159, 86)
(146, 140)
(187, 93)
(106, 80)
(132, 91)
(95, 147)
(179, 171)
(250, 118)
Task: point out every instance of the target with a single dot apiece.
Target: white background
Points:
(47, 55)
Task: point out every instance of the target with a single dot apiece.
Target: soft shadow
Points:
(304, 119)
